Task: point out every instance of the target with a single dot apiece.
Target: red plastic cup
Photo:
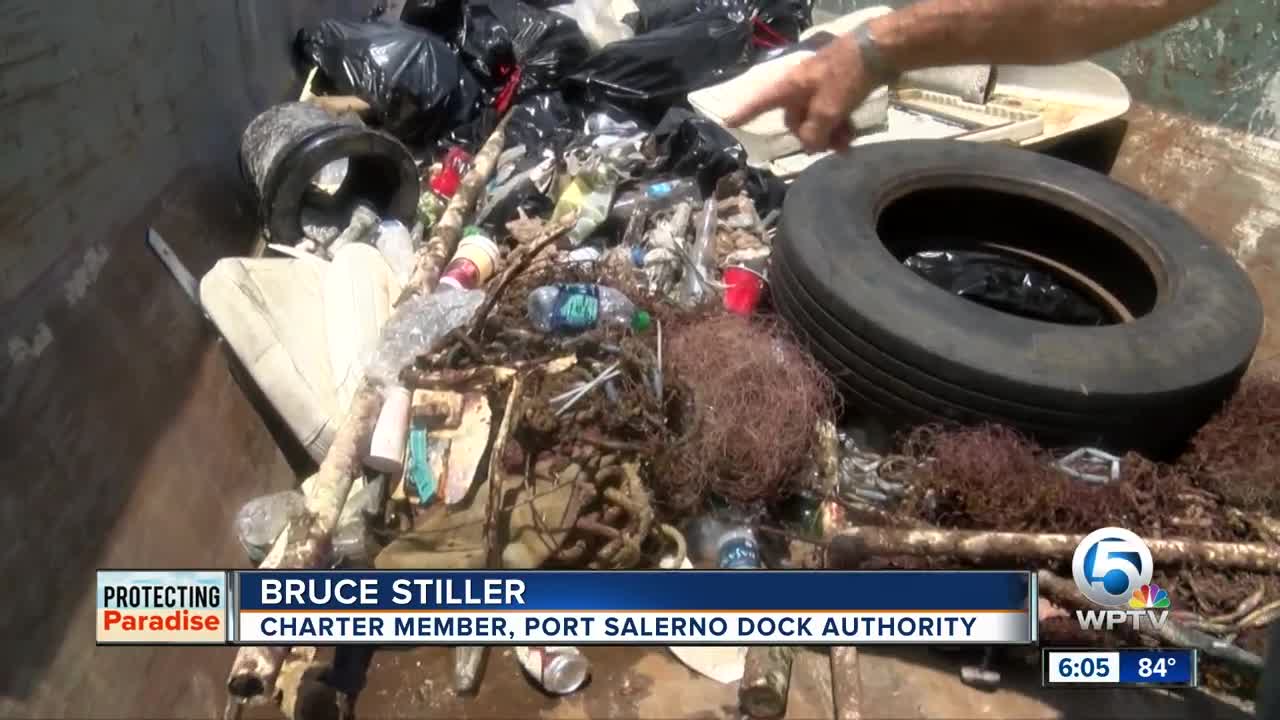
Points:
(743, 289)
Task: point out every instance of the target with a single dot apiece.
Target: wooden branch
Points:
(766, 681)
(308, 546)
(861, 542)
(846, 682)
(439, 249)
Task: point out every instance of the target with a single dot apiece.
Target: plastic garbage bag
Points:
(655, 69)
(543, 120)
(597, 21)
(519, 46)
(443, 17)
(687, 144)
(1006, 283)
(784, 20)
(413, 80)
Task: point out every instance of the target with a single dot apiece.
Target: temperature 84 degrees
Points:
(1157, 667)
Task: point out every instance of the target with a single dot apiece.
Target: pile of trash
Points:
(522, 320)
(515, 303)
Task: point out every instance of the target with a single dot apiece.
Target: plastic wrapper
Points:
(651, 71)
(685, 144)
(415, 327)
(411, 78)
(504, 37)
(1007, 284)
(262, 519)
(596, 20)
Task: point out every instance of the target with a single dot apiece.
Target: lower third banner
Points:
(734, 607)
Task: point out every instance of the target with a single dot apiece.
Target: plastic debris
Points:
(395, 244)
(415, 326)
(570, 308)
(1006, 283)
(665, 249)
(262, 519)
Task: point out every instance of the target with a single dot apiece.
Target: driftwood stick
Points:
(1065, 593)
(861, 542)
(846, 682)
(439, 248)
(766, 680)
(307, 545)
(306, 542)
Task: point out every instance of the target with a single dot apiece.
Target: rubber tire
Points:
(912, 352)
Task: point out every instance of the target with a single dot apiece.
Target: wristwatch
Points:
(877, 65)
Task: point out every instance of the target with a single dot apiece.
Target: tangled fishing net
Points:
(752, 402)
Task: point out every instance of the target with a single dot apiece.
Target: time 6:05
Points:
(1084, 667)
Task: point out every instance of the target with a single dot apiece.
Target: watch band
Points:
(881, 70)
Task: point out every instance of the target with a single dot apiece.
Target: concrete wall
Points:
(1221, 67)
(124, 440)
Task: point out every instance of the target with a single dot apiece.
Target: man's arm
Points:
(938, 33)
(818, 94)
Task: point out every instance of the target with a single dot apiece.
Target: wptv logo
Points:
(1113, 567)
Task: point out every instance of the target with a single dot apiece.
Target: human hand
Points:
(816, 96)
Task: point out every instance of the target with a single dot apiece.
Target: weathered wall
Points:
(124, 440)
(1221, 67)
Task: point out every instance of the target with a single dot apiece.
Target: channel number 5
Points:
(1114, 550)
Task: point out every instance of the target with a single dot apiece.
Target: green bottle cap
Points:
(472, 230)
(640, 321)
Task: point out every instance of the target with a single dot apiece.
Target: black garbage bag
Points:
(658, 68)
(783, 20)
(442, 17)
(543, 120)
(414, 82)
(1006, 283)
(522, 47)
(688, 145)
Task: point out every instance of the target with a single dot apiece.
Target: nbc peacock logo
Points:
(1150, 597)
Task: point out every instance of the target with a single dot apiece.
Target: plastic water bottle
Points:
(396, 246)
(570, 308)
(655, 196)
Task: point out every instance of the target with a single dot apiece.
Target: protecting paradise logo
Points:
(1149, 597)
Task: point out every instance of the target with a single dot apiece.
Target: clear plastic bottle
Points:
(655, 196)
(396, 245)
(569, 308)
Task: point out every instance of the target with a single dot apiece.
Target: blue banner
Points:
(1158, 667)
(623, 591)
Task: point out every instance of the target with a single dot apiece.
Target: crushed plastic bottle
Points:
(570, 308)
(262, 519)
(396, 245)
(656, 197)
(351, 538)
(415, 327)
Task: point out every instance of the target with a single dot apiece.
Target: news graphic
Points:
(1113, 568)
(687, 607)
(162, 607)
(1080, 667)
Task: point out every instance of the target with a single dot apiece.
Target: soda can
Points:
(737, 550)
(743, 289)
(559, 670)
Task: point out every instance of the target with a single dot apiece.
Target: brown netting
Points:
(1237, 454)
(752, 401)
